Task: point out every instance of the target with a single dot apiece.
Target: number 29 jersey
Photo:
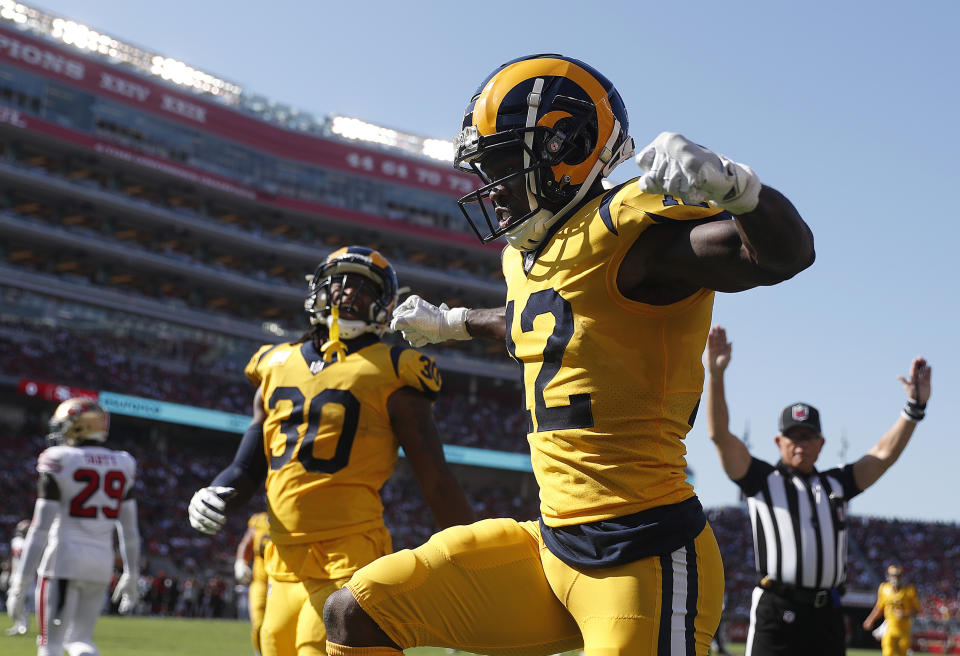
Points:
(93, 482)
(328, 440)
(611, 385)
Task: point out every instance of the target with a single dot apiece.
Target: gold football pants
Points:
(493, 588)
(257, 595)
(308, 574)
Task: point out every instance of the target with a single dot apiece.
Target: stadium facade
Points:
(130, 200)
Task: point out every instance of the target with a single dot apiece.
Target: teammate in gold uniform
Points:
(899, 604)
(608, 305)
(252, 547)
(329, 415)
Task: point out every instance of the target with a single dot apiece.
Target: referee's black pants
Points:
(781, 627)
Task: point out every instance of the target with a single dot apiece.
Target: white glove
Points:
(127, 592)
(206, 511)
(422, 323)
(242, 571)
(676, 166)
(878, 632)
(16, 601)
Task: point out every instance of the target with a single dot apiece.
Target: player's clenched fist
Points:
(206, 511)
(676, 166)
(422, 322)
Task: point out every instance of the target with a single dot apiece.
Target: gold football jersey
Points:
(898, 606)
(328, 440)
(611, 385)
(261, 536)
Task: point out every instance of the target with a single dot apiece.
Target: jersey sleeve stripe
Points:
(395, 353)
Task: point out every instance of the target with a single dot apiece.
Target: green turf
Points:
(147, 636)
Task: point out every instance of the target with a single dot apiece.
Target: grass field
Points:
(147, 636)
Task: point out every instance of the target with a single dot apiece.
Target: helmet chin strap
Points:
(528, 235)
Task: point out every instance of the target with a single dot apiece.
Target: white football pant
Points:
(67, 611)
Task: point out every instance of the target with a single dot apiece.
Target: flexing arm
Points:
(238, 482)
(764, 242)
(412, 421)
(734, 455)
(884, 453)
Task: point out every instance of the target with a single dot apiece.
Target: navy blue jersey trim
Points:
(310, 356)
(622, 540)
(264, 354)
(693, 413)
(666, 605)
(693, 585)
(604, 208)
(395, 353)
(659, 218)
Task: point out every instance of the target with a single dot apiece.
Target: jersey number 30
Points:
(291, 428)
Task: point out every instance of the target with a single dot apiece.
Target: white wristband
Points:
(455, 324)
(745, 193)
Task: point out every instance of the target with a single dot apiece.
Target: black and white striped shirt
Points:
(799, 522)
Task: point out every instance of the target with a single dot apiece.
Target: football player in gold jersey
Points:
(329, 415)
(898, 604)
(608, 305)
(252, 547)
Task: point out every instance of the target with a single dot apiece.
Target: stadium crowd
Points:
(186, 573)
(201, 375)
(274, 226)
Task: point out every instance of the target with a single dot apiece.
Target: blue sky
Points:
(850, 109)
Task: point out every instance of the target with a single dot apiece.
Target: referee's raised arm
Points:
(885, 452)
(734, 455)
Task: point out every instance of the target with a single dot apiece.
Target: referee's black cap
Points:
(800, 414)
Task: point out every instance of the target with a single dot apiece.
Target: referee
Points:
(799, 514)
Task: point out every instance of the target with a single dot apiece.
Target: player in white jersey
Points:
(84, 491)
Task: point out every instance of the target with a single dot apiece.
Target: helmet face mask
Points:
(563, 123)
(78, 420)
(361, 284)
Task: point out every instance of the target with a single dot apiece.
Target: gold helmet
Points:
(565, 123)
(78, 419)
(374, 274)
(894, 571)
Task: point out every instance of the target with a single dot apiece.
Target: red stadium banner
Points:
(75, 69)
(53, 391)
